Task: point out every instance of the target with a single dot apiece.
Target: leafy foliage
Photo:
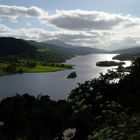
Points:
(72, 75)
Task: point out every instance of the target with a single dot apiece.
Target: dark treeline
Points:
(105, 108)
(109, 63)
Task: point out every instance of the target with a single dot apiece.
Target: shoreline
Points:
(41, 69)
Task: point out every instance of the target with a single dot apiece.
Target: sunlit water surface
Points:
(55, 84)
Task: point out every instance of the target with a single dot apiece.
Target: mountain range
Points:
(49, 50)
(59, 43)
(54, 50)
(76, 50)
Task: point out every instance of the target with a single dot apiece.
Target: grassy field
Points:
(2, 66)
(3, 73)
(40, 68)
(36, 69)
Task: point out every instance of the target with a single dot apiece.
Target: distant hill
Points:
(76, 50)
(128, 50)
(59, 43)
(127, 54)
(88, 50)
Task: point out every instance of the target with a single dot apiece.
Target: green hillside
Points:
(18, 56)
(18, 48)
(11, 47)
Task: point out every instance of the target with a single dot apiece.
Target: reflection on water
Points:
(54, 84)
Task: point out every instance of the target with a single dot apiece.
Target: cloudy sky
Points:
(102, 24)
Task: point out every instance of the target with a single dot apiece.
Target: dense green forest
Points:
(105, 108)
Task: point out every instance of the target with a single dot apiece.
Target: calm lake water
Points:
(54, 84)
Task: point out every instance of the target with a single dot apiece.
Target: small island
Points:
(109, 63)
(72, 75)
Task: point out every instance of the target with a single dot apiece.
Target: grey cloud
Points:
(89, 20)
(71, 19)
(12, 12)
(39, 34)
(126, 42)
